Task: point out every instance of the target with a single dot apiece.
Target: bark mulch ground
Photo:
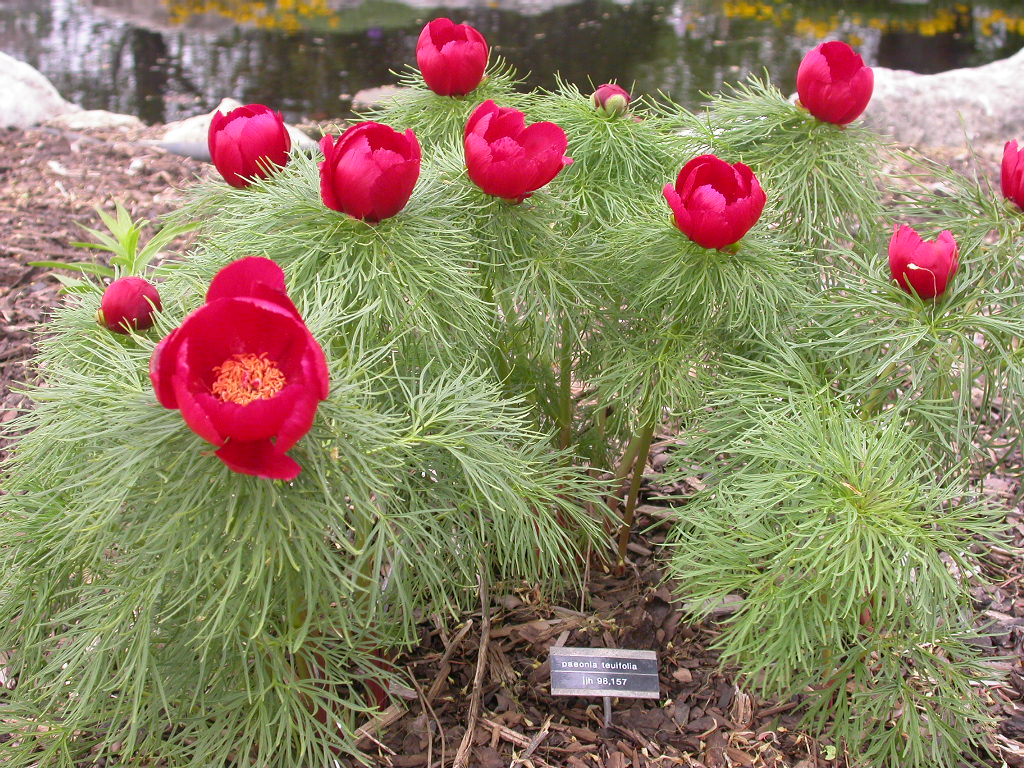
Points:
(488, 674)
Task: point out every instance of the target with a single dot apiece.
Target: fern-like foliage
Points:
(849, 556)
(158, 601)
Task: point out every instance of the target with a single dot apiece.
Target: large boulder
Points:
(979, 105)
(27, 98)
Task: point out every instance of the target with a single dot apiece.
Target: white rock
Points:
(194, 129)
(375, 97)
(27, 97)
(93, 119)
(978, 104)
(189, 136)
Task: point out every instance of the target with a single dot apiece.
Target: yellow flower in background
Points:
(284, 15)
(294, 15)
(812, 28)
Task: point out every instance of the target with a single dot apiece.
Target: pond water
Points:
(167, 59)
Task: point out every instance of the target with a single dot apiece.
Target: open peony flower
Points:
(248, 142)
(924, 267)
(244, 370)
(452, 57)
(506, 158)
(714, 203)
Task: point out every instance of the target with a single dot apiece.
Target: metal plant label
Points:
(604, 672)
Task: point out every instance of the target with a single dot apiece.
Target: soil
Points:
(50, 183)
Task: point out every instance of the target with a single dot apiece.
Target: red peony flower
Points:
(714, 203)
(610, 100)
(451, 57)
(920, 266)
(244, 370)
(833, 83)
(128, 304)
(506, 158)
(370, 173)
(248, 142)
(1012, 173)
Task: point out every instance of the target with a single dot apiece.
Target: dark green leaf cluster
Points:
(850, 557)
(825, 179)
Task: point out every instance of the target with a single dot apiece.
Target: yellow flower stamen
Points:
(246, 377)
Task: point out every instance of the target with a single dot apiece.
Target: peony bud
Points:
(451, 57)
(610, 100)
(128, 304)
(1012, 173)
(920, 266)
(371, 171)
(506, 158)
(833, 83)
(248, 142)
(714, 203)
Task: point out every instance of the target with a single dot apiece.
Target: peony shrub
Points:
(222, 542)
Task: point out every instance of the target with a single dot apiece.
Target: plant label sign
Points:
(604, 672)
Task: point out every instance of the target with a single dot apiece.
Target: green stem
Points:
(565, 387)
(601, 421)
(622, 471)
(499, 350)
(643, 439)
(873, 402)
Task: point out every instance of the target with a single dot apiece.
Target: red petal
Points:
(541, 138)
(507, 122)
(229, 327)
(253, 276)
(258, 420)
(700, 171)
(239, 277)
(843, 62)
(353, 174)
(480, 119)
(229, 162)
(709, 226)
(1012, 173)
(1007, 167)
(671, 197)
(162, 364)
(297, 422)
(315, 365)
(465, 65)
(191, 402)
(260, 458)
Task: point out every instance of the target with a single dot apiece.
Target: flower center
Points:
(245, 377)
